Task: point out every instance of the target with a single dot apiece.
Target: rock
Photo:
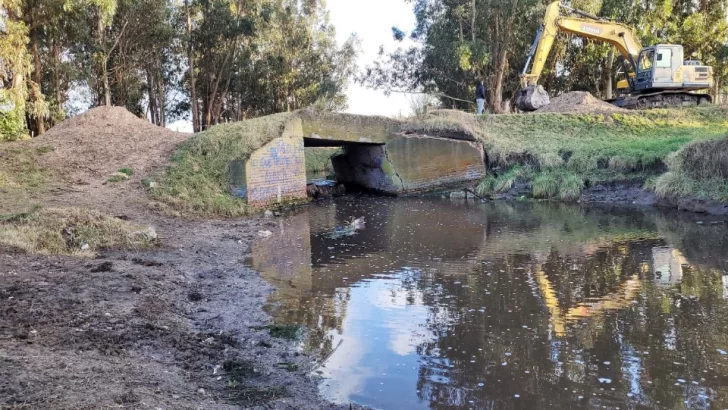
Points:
(458, 195)
(85, 247)
(201, 391)
(268, 214)
(104, 267)
(194, 296)
(264, 234)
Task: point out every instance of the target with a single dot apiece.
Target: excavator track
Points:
(663, 99)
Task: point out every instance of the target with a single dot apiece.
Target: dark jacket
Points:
(480, 92)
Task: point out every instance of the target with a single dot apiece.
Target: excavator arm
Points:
(568, 20)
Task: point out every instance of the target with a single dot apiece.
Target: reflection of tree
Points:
(525, 266)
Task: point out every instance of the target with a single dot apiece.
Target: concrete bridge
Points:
(380, 154)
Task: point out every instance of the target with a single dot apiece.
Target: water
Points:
(446, 305)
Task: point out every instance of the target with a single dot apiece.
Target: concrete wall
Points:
(411, 164)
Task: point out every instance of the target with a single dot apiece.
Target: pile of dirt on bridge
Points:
(89, 147)
(580, 102)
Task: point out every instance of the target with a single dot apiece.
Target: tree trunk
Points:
(152, 96)
(191, 65)
(498, 89)
(38, 78)
(609, 84)
(472, 20)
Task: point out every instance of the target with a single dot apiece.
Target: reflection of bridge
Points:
(380, 154)
(443, 238)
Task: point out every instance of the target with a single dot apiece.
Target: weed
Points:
(44, 149)
(126, 171)
(254, 395)
(117, 178)
(148, 183)
(240, 370)
(288, 332)
(290, 367)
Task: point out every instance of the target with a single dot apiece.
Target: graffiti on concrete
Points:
(275, 173)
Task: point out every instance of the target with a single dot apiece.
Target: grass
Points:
(70, 231)
(561, 153)
(197, 182)
(700, 169)
(22, 179)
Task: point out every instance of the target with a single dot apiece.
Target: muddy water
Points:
(445, 305)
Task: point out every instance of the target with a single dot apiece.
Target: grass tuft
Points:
(570, 187)
(545, 185)
(71, 231)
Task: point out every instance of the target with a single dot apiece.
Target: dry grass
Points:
(71, 231)
(700, 169)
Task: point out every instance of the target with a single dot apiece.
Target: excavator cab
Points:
(662, 67)
(659, 67)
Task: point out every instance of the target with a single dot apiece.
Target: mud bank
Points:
(616, 193)
(175, 328)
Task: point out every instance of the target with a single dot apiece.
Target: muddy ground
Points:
(181, 327)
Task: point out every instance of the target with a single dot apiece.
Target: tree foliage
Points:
(248, 58)
(460, 41)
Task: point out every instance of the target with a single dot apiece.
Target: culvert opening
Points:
(336, 168)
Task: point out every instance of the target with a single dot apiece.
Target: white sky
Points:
(372, 21)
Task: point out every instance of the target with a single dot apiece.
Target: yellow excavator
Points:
(655, 76)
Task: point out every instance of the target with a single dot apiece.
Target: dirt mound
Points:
(90, 147)
(580, 102)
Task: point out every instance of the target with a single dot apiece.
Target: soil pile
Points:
(91, 146)
(580, 102)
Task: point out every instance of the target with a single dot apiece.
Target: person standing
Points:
(480, 96)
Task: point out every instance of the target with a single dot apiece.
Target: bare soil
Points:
(90, 147)
(179, 327)
(580, 102)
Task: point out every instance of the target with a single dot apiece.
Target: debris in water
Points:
(351, 227)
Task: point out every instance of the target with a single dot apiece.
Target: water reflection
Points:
(448, 305)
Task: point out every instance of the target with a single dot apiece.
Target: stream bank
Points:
(181, 327)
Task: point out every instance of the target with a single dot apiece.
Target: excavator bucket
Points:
(532, 98)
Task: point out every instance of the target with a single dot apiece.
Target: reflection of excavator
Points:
(621, 298)
(656, 76)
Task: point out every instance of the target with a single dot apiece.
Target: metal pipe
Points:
(532, 52)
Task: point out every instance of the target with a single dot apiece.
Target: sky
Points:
(372, 21)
